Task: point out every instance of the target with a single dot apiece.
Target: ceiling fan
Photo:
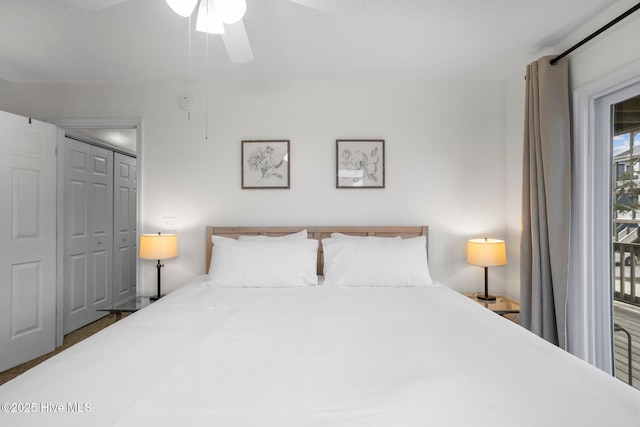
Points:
(224, 17)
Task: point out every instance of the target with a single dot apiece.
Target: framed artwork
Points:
(265, 164)
(360, 163)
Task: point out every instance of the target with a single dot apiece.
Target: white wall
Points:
(445, 159)
(610, 51)
(515, 96)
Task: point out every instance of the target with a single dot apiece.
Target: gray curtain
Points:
(546, 186)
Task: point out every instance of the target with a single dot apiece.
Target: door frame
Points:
(589, 306)
(89, 123)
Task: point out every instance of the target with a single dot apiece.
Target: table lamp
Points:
(486, 253)
(159, 247)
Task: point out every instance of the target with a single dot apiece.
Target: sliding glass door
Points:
(604, 218)
(625, 214)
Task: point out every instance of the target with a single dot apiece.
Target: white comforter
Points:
(319, 356)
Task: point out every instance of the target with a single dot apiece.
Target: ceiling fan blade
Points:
(237, 44)
(336, 7)
(95, 4)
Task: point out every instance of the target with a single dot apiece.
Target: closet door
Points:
(124, 199)
(88, 233)
(27, 239)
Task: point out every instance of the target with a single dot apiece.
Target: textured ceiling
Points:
(143, 40)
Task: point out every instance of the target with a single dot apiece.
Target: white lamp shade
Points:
(158, 246)
(230, 11)
(486, 252)
(183, 8)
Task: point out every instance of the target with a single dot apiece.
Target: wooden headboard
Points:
(317, 233)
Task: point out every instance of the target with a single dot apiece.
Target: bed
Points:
(396, 350)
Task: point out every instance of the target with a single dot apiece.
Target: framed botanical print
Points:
(265, 164)
(360, 163)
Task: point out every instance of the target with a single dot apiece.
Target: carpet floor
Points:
(69, 340)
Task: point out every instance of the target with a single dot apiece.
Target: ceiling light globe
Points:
(230, 11)
(183, 8)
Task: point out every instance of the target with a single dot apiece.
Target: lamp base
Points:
(485, 297)
(158, 294)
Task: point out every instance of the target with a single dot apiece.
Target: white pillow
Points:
(302, 234)
(263, 263)
(376, 262)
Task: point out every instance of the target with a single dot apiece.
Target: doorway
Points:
(122, 139)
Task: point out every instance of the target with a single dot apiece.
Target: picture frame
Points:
(360, 163)
(265, 164)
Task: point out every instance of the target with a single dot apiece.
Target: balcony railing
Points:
(626, 282)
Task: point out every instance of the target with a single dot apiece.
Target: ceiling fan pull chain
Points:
(189, 81)
(206, 90)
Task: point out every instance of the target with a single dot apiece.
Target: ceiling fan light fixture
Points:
(230, 11)
(208, 20)
(183, 8)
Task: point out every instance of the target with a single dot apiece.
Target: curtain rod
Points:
(593, 35)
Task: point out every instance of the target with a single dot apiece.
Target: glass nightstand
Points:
(129, 306)
(502, 305)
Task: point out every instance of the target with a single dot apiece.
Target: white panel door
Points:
(88, 233)
(27, 239)
(124, 200)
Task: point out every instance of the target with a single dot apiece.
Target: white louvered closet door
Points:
(27, 239)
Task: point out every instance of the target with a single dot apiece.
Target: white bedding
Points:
(318, 356)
